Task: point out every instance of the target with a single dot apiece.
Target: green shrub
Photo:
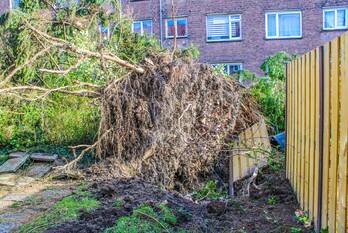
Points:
(270, 95)
(276, 65)
(209, 190)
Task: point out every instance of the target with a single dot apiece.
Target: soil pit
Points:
(238, 214)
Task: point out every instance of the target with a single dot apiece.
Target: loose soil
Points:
(238, 214)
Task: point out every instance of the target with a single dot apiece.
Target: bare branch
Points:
(28, 62)
(67, 45)
(64, 72)
(47, 91)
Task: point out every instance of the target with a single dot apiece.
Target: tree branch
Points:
(67, 45)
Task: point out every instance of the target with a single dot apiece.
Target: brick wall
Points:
(253, 48)
(4, 5)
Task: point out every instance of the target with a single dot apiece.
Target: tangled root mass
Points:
(170, 125)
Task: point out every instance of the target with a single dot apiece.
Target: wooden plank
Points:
(306, 133)
(293, 128)
(303, 128)
(290, 126)
(326, 141)
(297, 126)
(343, 134)
(334, 136)
(312, 117)
(317, 131)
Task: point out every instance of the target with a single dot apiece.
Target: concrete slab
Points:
(7, 227)
(11, 179)
(12, 165)
(43, 157)
(15, 197)
(38, 170)
(17, 154)
(8, 179)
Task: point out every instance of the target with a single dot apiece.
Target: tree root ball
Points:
(171, 125)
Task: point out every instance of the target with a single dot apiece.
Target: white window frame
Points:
(335, 9)
(229, 27)
(142, 26)
(277, 13)
(228, 64)
(176, 28)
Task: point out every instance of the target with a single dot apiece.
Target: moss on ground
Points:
(147, 219)
(67, 208)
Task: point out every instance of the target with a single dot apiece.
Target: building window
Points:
(335, 18)
(230, 68)
(179, 25)
(223, 27)
(143, 27)
(283, 25)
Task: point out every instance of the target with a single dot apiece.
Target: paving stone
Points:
(43, 157)
(24, 180)
(38, 170)
(12, 165)
(8, 179)
(17, 154)
(15, 197)
(7, 227)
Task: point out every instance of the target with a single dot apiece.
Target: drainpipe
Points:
(161, 21)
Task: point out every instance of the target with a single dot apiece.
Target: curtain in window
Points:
(181, 27)
(218, 27)
(289, 25)
(329, 19)
(271, 25)
(235, 29)
(341, 18)
(170, 28)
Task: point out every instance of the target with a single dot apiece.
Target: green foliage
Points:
(118, 203)
(326, 230)
(146, 219)
(60, 119)
(272, 200)
(276, 65)
(3, 158)
(295, 230)
(276, 160)
(66, 209)
(246, 75)
(209, 190)
(270, 95)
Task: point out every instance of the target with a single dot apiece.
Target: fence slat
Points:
(317, 104)
(343, 130)
(326, 141)
(334, 138)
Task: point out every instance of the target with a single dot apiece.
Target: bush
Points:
(275, 64)
(270, 95)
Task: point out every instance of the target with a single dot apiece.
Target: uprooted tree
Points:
(166, 118)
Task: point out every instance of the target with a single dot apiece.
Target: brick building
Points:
(237, 33)
(241, 32)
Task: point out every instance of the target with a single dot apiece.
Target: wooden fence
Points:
(250, 151)
(317, 129)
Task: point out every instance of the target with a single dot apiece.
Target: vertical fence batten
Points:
(317, 132)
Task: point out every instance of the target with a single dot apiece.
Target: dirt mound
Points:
(170, 124)
(233, 215)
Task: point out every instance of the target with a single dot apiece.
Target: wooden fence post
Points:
(321, 136)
